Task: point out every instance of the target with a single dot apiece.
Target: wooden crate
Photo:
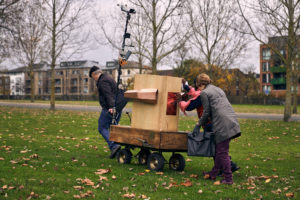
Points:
(162, 140)
(155, 116)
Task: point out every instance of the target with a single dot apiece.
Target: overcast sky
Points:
(106, 53)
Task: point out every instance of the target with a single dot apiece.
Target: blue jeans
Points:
(104, 122)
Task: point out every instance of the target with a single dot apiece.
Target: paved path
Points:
(98, 109)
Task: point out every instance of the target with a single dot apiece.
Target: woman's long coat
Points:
(217, 108)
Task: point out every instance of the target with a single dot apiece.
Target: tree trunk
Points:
(31, 75)
(154, 42)
(53, 58)
(288, 95)
(295, 93)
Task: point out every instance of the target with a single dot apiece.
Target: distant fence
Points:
(266, 100)
(47, 97)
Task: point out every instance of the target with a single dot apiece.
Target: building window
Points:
(264, 78)
(86, 72)
(74, 81)
(59, 73)
(57, 81)
(40, 82)
(57, 90)
(85, 89)
(27, 91)
(268, 78)
(75, 72)
(85, 80)
(265, 67)
(73, 90)
(40, 75)
(128, 72)
(266, 54)
(27, 82)
(40, 90)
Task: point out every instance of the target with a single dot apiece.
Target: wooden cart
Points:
(148, 140)
(154, 124)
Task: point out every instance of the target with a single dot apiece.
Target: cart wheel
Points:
(155, 162)
(143, 156)
(124, 156)
(177, 162)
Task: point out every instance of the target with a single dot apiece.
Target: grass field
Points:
(59, 155)
(239, 108)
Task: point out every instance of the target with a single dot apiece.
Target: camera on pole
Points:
(123, 56)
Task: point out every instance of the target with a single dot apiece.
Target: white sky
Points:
(106, 53)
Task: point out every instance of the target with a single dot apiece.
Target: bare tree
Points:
(166, 24)
(65, 23)
(9, 16)
(214, 35)
(29, 39)
(295, 82)
(280, 19)
(157, 31)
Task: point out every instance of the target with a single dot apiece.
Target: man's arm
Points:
(206, 109)
(108, 94)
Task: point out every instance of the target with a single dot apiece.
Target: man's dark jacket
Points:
(107, 88)
(217, 108)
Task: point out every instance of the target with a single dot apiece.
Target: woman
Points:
(191, 100)
(219, 111)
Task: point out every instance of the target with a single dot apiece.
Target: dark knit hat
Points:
(94, 68)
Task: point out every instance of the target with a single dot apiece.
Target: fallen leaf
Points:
(102, 171)
(159, 173)
(217, 183)
(78, 187)
(113, 177)
(194, 176)
(290, 194)
(141, 173)
(143, 196)
(200, 191)
(103, 178)
(268, 181)
(147, 170)
(130, 196)
(2, 159)
(187, 183)
(189, 160)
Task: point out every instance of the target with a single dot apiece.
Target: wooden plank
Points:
(173, 140)
(149, 138)
(153, 116)
(143, 95)
(133, 136)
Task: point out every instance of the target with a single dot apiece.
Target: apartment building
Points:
(272, 69)
(4, 84)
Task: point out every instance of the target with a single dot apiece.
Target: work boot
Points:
(114, 151)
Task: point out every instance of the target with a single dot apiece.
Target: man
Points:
(107, 89)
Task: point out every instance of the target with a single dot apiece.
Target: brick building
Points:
(272, 69)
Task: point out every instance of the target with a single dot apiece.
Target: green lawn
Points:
(56, 154)
(239, 108)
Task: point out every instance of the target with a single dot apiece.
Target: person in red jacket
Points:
(190, 101)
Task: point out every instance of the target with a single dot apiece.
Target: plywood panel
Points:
(133, 136)
(149, 138)
(173, 140)
(153, 117)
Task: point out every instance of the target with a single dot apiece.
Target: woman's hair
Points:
(202, 79)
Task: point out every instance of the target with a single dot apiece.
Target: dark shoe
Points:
(226, 182)
(206, 175)
(234, 169)
(220, 173)
(114, 151)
